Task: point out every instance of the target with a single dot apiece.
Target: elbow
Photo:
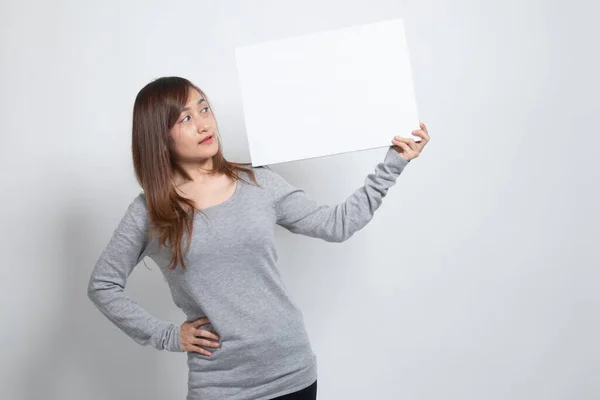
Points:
(346, 237)
(341, 237)
(346, 227)
(92, 291)
(100, 290)
(346, 231)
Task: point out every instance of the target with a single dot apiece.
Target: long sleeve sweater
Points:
(233, 280)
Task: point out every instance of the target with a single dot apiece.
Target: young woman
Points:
(209, 225)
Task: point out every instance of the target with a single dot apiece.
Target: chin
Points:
(211, 152)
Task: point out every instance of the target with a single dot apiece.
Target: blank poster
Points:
(327, 93)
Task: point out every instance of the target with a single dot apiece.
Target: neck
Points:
(198, 171)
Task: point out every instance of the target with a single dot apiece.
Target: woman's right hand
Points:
(192, 337)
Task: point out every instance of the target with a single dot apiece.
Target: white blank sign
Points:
(327, 93)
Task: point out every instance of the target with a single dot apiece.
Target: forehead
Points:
(193, 97)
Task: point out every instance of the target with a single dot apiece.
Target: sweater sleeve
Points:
(106, 288)
(302, 215)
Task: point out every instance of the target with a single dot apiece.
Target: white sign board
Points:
(327, 93)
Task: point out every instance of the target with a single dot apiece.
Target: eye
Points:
(205, 109)
(184, 118)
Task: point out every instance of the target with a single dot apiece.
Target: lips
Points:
(207, 139)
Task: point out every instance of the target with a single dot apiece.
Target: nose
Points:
(202, 128)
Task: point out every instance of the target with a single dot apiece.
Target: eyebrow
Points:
(199, 102)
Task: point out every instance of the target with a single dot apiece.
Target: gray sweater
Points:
(233, 280)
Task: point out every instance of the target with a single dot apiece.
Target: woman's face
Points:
(194, 135)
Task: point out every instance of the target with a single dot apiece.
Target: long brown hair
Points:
(156, 109)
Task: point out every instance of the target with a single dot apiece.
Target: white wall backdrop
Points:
(478, 277)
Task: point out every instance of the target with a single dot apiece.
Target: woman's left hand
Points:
(409, 148)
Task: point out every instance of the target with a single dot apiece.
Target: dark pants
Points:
(310, 393)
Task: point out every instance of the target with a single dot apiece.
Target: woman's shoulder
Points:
(139, 201)
(138, 207)
(272, 181)
(264, 175)
(263, 170)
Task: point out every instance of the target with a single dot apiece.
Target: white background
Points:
(477, 279)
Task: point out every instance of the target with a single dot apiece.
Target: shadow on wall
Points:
(82, 355)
